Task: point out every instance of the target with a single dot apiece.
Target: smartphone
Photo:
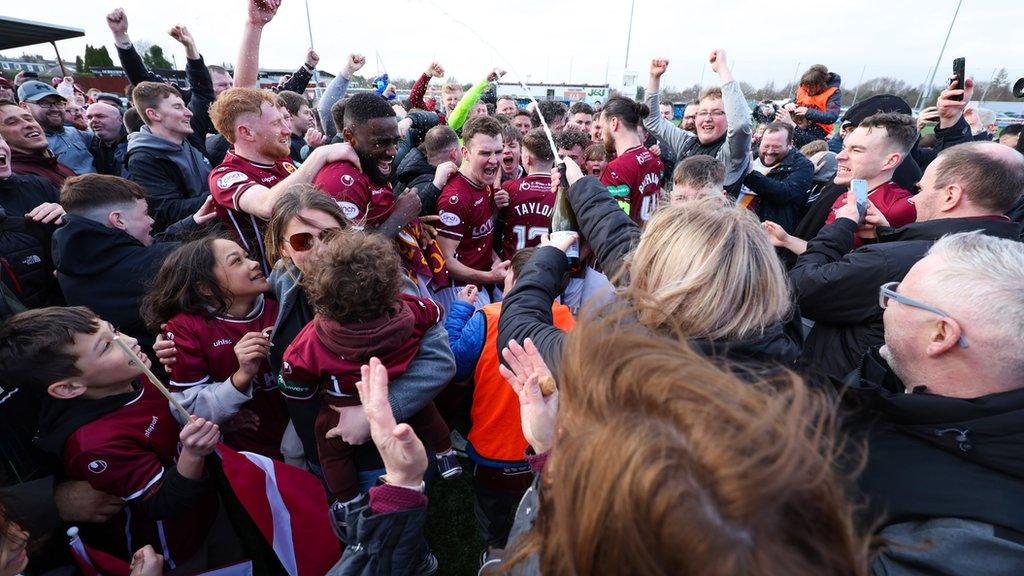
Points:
(958, 73)
(859, 188)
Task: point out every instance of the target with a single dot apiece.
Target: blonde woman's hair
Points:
(709, 271)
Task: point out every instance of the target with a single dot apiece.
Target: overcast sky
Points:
(559, 40)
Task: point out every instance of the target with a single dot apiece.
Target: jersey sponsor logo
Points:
(644, 157)
(152, 426)
(286, 367)
(449, 219)
(348, 180)
(350, 210)
(230, 178)
(478, 202)
(97, 466)
(222, 342)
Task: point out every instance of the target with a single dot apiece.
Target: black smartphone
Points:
(958, 73)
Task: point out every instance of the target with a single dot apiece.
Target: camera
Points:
(1018, 88)
(766, 110)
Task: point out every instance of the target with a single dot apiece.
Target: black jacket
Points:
(932, 456)
(26, 267)
(198, 99)
(109, 159)
(782, 192)
(109, 271)
(526, 309)
(838, 289)
(416, 172)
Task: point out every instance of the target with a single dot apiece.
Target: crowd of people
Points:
(727, 362)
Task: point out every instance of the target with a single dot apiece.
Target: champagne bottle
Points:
(563, 220)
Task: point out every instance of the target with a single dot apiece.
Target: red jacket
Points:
(44, 165)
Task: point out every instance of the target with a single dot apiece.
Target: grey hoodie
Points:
(175, 176)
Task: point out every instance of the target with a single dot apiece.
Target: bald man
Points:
(111, 139)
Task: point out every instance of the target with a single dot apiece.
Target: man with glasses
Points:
(721, 125)
(967, 188)
(779, 177)
(940, 407)
(69, 144)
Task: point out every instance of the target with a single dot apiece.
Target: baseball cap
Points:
(34, 91)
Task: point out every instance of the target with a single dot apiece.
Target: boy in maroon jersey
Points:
(511, 155)
(528, 214)
(258, 169)
(466, 210)
(364, 194)
(360, 313)
(112, 428)
(634, 177)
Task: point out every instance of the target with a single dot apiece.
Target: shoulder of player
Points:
(304, 348)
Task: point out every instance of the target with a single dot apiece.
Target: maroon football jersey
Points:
(124, 453)
(367, 205)
(528, 214)
(206, 355)
(634, 180)
(467, 215)
(227, 184)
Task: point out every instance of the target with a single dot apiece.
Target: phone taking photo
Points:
(859, 187)
(958, 74)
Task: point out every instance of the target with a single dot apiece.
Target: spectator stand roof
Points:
(15, 33)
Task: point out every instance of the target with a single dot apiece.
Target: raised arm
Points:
(301, 77)
(134, 68)
(247, 67)
(419, 89)
(739, 133)
(461, 112)
(334, 93)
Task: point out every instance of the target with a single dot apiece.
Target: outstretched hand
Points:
(658, 67)
(538, 412)
(262, 11)
(405, 459)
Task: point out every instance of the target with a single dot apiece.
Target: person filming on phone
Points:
(967, 188)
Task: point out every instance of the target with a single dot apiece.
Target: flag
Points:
(95, 562)
(289, 506)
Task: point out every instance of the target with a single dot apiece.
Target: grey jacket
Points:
(947, 546)
(71, 147)
(334, 92)
(735, 154)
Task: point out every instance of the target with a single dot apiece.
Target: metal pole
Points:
(629, 39)
(316, 71)
(859, 82)
(795, 75)
(60, 61)
(989, 85)
(927, 94)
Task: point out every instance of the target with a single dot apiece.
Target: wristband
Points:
(421, 487)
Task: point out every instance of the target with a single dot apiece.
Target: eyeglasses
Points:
(888, 291)
(51, 104)
(304, 241)
(711, 113)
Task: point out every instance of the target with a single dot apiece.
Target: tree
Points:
(79, 66)
(95, 57)
(154, 58)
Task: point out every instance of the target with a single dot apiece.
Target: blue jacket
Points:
(782, 192)
(467, 331)
(71, 147)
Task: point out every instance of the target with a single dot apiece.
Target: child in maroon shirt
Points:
(360, 313)
(209, 298)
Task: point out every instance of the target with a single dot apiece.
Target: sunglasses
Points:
(304, 241)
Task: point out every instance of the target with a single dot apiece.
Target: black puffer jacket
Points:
(416, 172)
(26, 267)
(837, 287)
(526, 309)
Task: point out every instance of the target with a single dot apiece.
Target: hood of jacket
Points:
(932, 230)
(414, 164)
(82, 247)
(988, 431)
(193, 166)
(375, 338)
(771, 349)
